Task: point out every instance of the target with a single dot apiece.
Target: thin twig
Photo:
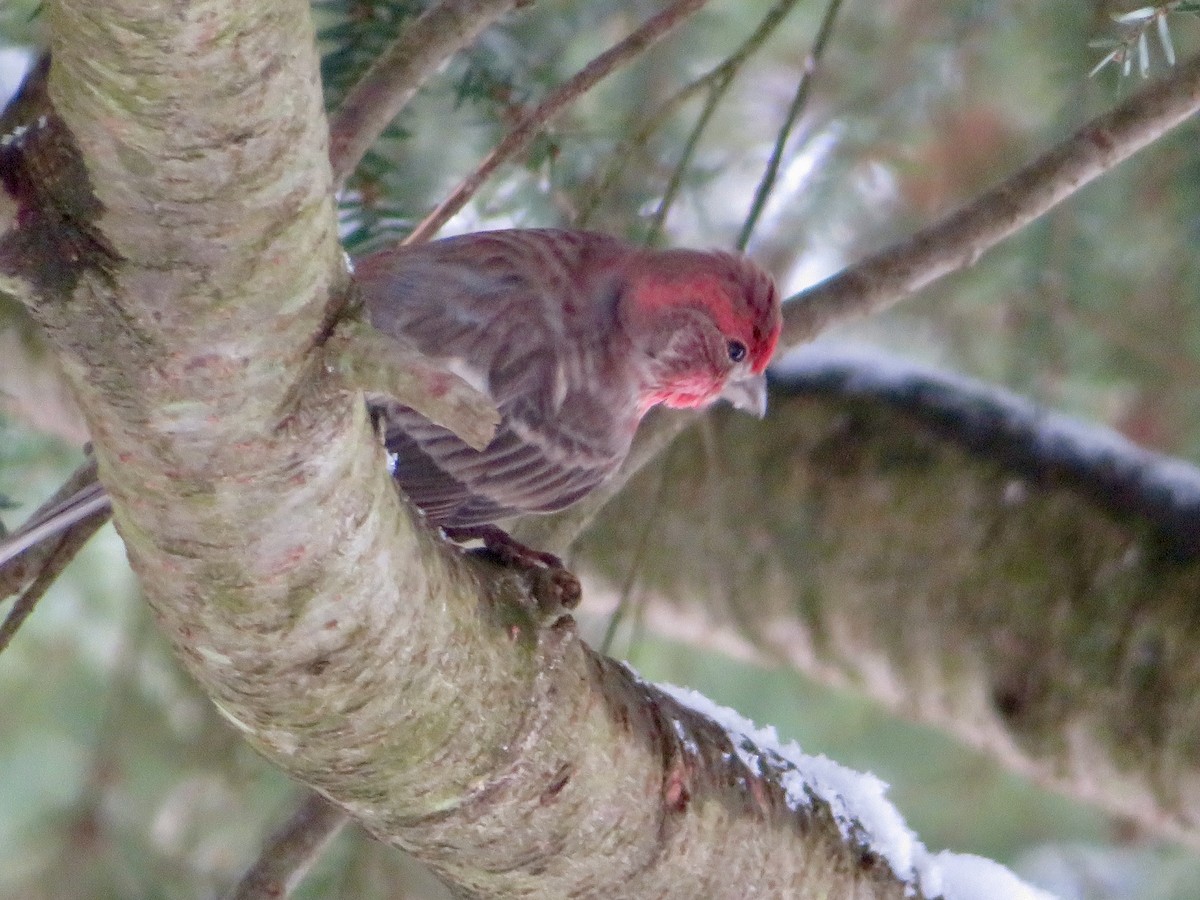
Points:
(650, 33)
(733, 63)
(639, 557)
(958, 240)
(35, 560)
(715, 96)
(23, 606)
(723, 71)
(799, 102)
(51, 563)
(291, 851)
(393, 79)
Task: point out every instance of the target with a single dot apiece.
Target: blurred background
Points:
(118, 779)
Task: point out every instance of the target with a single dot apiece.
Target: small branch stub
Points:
(365, 359)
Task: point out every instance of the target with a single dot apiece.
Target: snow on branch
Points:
(1045, 446)
(859, 805)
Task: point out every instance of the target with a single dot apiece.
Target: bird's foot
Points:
(506, 548)
(553, 580)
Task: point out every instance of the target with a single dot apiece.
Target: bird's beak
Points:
(748, 394)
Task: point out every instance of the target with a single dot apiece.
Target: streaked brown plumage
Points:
(574, 335)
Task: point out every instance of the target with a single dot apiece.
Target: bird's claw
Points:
(553, 586)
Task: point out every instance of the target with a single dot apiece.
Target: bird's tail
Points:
(47, 523)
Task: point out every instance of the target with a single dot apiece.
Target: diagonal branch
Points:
(14, 574)
(54, 557)
(957, 241)
(290, 852)
(719, 81)
(393, 79)
(39, 566)
(633, 45)
(675, 182)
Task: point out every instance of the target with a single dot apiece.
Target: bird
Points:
(573, 335)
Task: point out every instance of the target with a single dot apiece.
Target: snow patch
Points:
(859, 805)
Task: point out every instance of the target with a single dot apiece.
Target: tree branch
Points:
(290, 852)
(958, 240)
(38, 553)
(715, 95)
(396, 76)
(711, 81)
(795, 108)
(34, 571)
(58, 554)
(636, 43)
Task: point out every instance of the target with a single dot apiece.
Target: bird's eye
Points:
(737, 351)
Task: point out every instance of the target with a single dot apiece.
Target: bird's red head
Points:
(710, 321)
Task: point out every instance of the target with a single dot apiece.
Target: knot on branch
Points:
(528, 600)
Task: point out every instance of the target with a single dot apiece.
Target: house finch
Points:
(574, 336)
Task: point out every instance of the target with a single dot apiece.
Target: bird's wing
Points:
(529, 466)
(490, 310)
